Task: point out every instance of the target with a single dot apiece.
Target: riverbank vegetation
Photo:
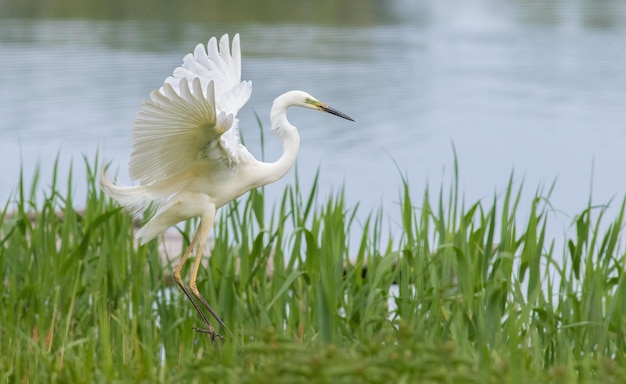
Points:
(462, 292)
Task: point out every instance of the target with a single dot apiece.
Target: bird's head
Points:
(303, 99)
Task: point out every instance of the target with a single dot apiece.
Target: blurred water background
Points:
(538, 87)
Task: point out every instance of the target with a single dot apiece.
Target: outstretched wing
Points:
(222, 65)
(193, 115)
(173, 128)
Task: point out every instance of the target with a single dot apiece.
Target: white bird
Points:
(187, 156)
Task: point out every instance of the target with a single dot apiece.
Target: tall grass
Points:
(463, 293)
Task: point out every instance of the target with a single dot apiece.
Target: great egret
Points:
(187, 156)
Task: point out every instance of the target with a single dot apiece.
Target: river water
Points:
(534, 87)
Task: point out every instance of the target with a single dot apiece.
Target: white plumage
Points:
(193, 115)
(187, 156)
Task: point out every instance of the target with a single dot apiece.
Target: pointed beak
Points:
(335, 112)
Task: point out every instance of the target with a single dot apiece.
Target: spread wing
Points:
(193, 116)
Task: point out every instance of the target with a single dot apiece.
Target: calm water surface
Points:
(540, 90)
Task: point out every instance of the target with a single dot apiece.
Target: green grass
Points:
(482, 295)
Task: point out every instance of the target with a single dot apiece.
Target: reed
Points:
(470, 293)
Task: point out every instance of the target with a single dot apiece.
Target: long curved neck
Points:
(288, 135)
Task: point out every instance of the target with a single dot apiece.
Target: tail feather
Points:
(160, 196)
(135, 198)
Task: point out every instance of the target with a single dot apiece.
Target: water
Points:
(535, 87)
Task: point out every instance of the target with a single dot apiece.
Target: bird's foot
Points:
(210, 331)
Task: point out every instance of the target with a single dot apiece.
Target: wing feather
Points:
(172, 128)
(193, 115)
